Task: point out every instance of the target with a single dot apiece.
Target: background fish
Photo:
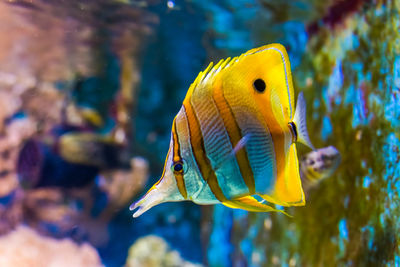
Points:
(233, 139)
(318, 165)
(92, 150)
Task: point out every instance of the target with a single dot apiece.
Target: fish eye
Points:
(259, 85)
(179, 167)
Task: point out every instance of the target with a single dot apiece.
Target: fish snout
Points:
(152, 198)
(165, 190)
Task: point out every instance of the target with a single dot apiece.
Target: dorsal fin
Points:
(212, 70)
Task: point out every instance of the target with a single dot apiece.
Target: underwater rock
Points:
(49, 46)
(53, 213)
(11, 138)
(43, 50)
(39, 166)
(57, 204)
(83, 213)
(38, 101)
(9, 105)
(11, 210)
(122, 185)
(16, 132)
(114, 190)
(24, 247)
(152, 251)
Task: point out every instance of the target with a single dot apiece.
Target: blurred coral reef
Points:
(152, 251)
(121, 185)
(41, 62)
(24, 247)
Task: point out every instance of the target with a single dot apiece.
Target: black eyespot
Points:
(178, 167)
(293, 129)
(259, 85)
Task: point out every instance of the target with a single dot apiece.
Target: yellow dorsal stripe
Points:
(177, 158)
(199, 155)
(235, 135)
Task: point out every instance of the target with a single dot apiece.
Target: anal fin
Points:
(249, 203)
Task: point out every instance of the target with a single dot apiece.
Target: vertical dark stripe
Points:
(177, 158)
(235, 135)
(263, 102)
(198, 149)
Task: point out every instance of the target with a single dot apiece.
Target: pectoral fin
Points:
(249, 203)
(240, 145)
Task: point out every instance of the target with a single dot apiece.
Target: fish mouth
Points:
(152, 198)
(165, 190)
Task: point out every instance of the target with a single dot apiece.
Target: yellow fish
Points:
(233, 140)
